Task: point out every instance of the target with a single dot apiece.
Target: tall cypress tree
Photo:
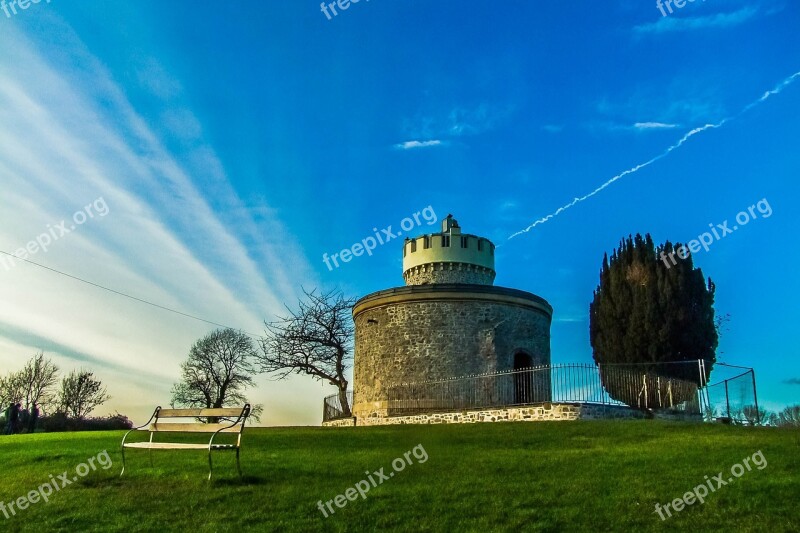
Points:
(648, 310)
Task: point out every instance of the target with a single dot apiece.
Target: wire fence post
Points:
(755, 395)
(727, 399)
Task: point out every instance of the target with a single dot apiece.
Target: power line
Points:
(193, 317)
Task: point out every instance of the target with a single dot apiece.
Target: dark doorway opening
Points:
(523, 379)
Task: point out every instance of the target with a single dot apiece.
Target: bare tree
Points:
(220, 367)
(755, 416)
(11, 389)
(32, 385)
(38, 378)
(80, 394)
(789, 417)
(315, 340)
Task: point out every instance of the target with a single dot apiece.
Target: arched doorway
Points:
(523, 379)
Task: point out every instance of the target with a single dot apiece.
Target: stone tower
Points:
(448, 321)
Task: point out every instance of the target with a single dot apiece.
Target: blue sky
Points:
(234, 143)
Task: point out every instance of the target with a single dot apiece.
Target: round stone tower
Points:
(448, 321)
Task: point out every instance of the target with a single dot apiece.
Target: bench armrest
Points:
(154, 415)
(241, 419)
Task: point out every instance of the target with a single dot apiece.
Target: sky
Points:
(205, 156)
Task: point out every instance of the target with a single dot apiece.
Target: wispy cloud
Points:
(410, 145)
(571, 319)
(612, 126)
(473, 121)
(652, 106)
(177, 232)
(653, 126)
(675, 23)
(683, 140)
(459, 121)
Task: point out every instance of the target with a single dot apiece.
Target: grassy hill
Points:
(559, 476)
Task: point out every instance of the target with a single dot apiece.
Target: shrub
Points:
(60, 422)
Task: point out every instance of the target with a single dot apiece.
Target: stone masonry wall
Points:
(449, 273)
(410, 342)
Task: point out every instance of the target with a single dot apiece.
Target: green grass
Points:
(558, 476)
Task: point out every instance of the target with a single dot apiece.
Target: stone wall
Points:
(531, 413)
(422, 340)
(341, 423)
(449, 273)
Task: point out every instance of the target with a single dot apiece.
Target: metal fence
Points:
(734, 399)
(636, 386)
(643, 386)
(337, 406)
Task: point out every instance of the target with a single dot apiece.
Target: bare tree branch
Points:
(315, 340)
(32, 385)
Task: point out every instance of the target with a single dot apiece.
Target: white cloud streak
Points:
(410, 145)
(654, 126)
(675, 23)
(68, 134)
(660, 156)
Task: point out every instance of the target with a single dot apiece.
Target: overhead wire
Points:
(126, 295)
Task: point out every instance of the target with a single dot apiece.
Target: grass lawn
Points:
(557, 476)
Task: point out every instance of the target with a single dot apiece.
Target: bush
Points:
(60, 422)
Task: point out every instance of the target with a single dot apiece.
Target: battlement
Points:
(448, 257)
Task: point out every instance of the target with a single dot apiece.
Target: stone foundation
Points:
(341, 423)
(529, 413)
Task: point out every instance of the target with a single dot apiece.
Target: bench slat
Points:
(177, 446)
(195, 428)
(178, 413)
(165, 446)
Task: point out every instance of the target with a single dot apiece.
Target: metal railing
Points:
(632, 385)
(337, 406)
(641, 386)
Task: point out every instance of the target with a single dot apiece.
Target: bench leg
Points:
(238, 466)
(210, 465)
(123, 462)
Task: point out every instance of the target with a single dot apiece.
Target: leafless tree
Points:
(315, 340)
(751, 415)
(32, 385)
(80, 394)
(789, 417)
(220, 367)
(38, 379)
(11, 389)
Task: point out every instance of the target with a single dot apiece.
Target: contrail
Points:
(662, 155)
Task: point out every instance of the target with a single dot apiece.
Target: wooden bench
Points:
(156, 425)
